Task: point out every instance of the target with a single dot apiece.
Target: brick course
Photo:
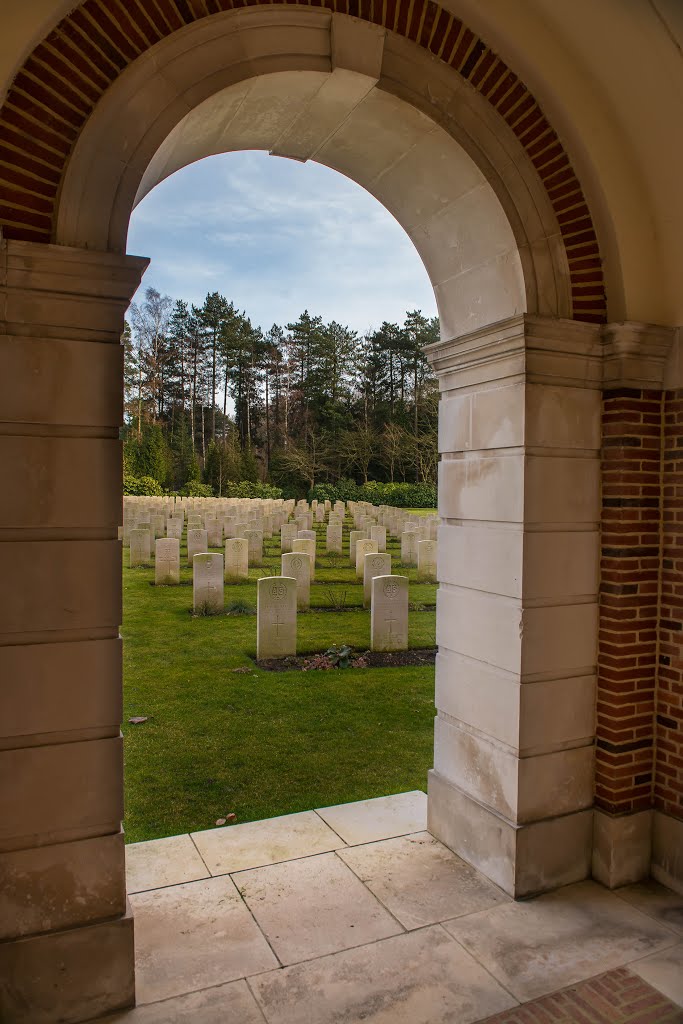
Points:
(56, 90)
(617, 997)
(639, 733)
(668, 790)
(629, 599)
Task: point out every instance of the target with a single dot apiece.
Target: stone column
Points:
(512, 786)
(68, 936)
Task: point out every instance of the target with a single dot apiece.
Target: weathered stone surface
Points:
(426, 559)
(354, 537)
(363, 547)
(255, 541)
(157, 526)
(207, 583)
(374, 564)
(167, 561)
(334, 539)
(276, 617)
(297, 564)
(197, 543)
(214, 529)
(236, 559)
(309, 547)
(379, 535)
(408, 547)
(140, 548)
(288, 533)
(174, 528)
(389, 613)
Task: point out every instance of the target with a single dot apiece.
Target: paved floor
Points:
(355, 913)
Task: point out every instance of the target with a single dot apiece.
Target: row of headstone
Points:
(222, 518)
(418, 540)
(279, 599)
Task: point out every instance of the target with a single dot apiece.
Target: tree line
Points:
(211, 397)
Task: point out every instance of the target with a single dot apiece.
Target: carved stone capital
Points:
(537, 349)
(635, 355)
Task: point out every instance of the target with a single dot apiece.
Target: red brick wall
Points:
(630, 563)
(668, 792)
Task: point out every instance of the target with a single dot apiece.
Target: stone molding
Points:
(635, 355)
(560, 352)
(540, 349)
(60, 291)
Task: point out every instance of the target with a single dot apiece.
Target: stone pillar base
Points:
(621, 848)
(522, 859)
(667, 851)
(68, 976)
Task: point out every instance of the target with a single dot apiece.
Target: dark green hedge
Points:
(398, 495)
(143, 485)
(148, 486)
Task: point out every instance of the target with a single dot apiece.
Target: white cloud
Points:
(276, 237)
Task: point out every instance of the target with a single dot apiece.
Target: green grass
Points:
(421, 511)
(260, 743)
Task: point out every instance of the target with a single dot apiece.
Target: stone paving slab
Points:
(224, 1004)
(419, 977)
(656, 901)
(420, 881)
(257, 843)
(160, 862)
(614, 998)
(663, 970)
(385, 817)
(192, 936)
(311, 907)
(558, 939)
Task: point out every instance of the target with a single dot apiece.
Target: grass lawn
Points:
(264, 743)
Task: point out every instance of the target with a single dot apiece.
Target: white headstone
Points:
(389, 613)
(374, 564)
(174, 528)
(157, 525)
(255, 541)
(167, 561)
(229, 527)
(426, 560)
(363, 547)
(207, 583)
(297, 565)
(197, 543)
(334, 539)
(309, 546)
(379, 534)
(140, 548)
(236, 559)
(276, 599)
(214, 530)
(408, 547)
(354, 537)
(288, 533)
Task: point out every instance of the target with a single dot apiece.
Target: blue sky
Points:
(276, 237)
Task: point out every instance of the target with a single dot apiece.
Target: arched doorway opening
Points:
(326, 87)
(270, 238)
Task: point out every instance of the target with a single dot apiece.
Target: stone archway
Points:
(520, 369)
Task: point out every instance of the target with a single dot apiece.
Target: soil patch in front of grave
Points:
(321, 661)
